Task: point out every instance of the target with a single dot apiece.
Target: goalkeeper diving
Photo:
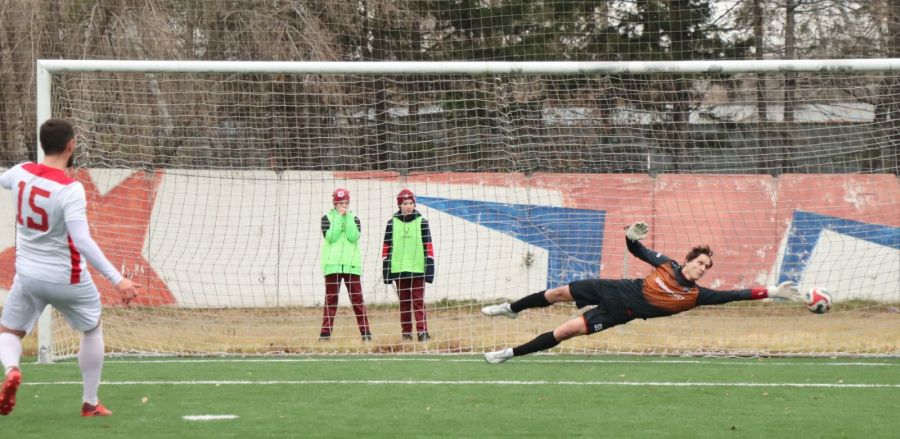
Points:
(670, 289)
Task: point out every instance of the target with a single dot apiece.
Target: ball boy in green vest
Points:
(408, 261)
(342, 261)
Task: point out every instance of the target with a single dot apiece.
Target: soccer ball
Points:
(818, 300)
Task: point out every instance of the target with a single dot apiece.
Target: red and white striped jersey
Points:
(45, 199)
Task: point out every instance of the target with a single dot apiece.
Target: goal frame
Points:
(45, 69)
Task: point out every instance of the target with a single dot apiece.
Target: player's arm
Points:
(707, 296)
(81, 238)
(353, 231)
(75, 216)
(429, 251)
(325, 225)
(332, 231)
(786, 290)
(386, 252)
(633, 236)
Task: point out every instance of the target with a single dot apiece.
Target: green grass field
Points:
(462, 396)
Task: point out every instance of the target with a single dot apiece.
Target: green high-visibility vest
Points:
(407, 250)
(340, 249)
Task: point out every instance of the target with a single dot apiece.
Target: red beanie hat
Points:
(340, 195)
(404, 195)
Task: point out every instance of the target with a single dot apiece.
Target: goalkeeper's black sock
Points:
(540, 343)
(536, 300)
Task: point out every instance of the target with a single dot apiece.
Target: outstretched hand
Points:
(786, 290)
(637, 231)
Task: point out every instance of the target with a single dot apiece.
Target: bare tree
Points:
(759, 41)
(314, 122)
(790, 52)
(887, 110)
(16, 101)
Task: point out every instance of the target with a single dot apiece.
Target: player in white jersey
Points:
(52, 244)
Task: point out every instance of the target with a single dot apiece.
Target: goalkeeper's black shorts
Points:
(606, 295)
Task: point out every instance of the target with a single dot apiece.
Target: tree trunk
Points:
(758, 34)
(790, 81)
(790, 84)
(166, 150)
(681, 102)
(887, 111)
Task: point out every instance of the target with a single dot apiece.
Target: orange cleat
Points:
(8, 391)
(94, 410)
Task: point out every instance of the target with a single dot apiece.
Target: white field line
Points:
(725, 362)
(208, 417)
(467, 383)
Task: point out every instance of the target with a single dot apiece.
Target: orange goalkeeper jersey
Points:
(665, 291)
(662, 290)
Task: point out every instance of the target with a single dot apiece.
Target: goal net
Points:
(207, 183)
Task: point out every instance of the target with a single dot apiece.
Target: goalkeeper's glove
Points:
(786, 290)
(637, 231)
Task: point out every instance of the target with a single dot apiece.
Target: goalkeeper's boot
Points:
(8, 391)
(502, 309)
(94, 410)
(498, 357)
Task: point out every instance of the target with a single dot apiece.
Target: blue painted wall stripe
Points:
(573, 237)
(807, 227)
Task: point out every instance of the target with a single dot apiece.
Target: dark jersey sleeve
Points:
(708, 296)
(386, 251)
(388, 238)
(645, 254)
(426, 239)
(429, 251)
(325, 225)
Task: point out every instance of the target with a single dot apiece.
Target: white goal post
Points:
(527, 173)
(48, 67)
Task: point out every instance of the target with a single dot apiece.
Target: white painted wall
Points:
(258, 240)
(252, 239)
(851, 268)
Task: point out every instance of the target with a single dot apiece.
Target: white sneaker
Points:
(502, 309)
(498, 357)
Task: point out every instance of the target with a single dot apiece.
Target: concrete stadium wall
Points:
(252, 238)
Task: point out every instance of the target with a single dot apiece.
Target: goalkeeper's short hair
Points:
(702, 249)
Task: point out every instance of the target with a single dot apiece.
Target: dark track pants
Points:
(411, 292)
(354, 288)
